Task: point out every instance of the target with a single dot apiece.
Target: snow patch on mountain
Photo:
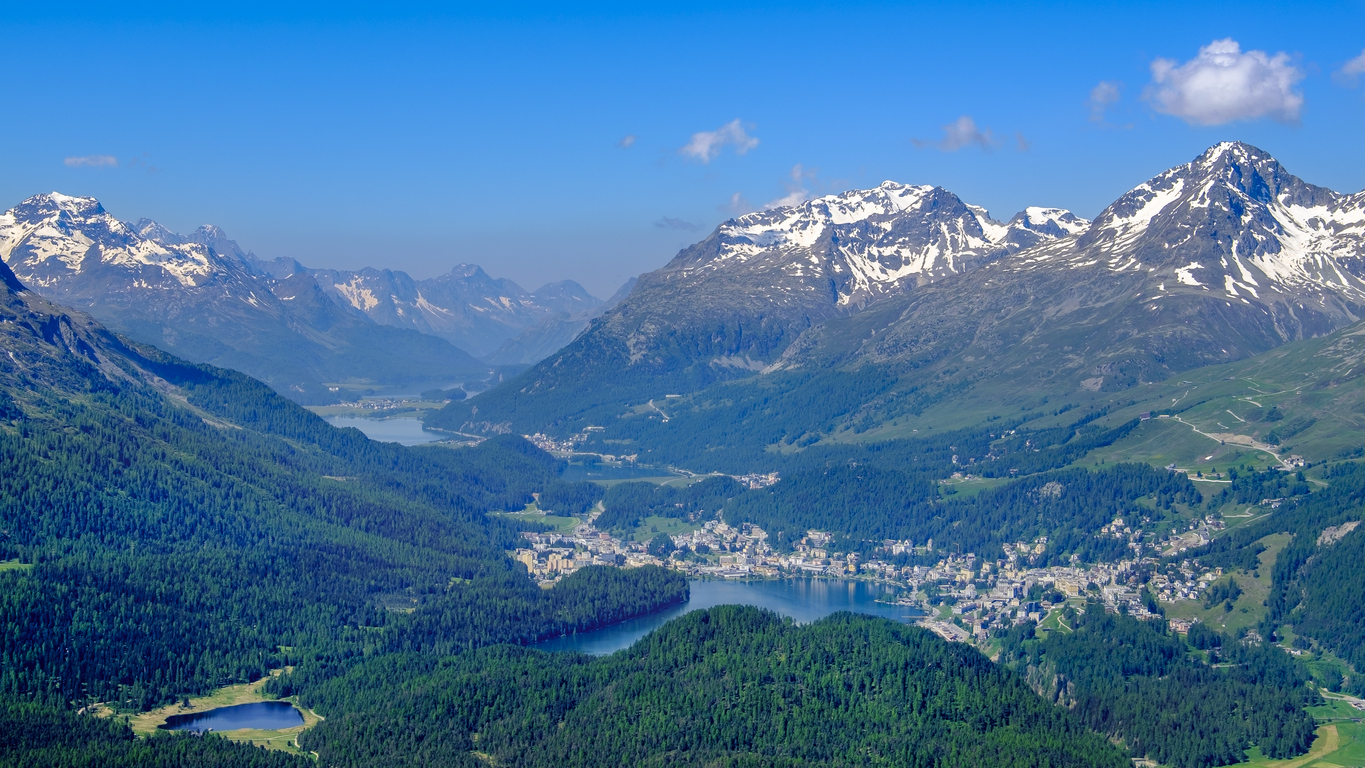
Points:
(48, 235)
(1239, 213)
(359, 296)
(876, 241)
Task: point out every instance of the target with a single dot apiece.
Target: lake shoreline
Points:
(144, 724)
(802, 598)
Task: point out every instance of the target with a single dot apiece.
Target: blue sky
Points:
(417, 139)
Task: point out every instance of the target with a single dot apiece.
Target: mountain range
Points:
(927, 302)
(466, 306)
(315, 335)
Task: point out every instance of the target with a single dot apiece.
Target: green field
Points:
(653, 526)
(1052, 622)
(975, 485)
(14, 565)
(533, 515)
(1162, 442)
(1340, 742)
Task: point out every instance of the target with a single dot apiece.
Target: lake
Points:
(265, 716)
(396, 430)
(805, 600)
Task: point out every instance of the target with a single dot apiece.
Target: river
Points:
(805, 600)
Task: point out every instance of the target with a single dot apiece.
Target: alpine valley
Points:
(1114, 469)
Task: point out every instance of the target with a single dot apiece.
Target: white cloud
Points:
(962, 133)
(1102, 97)
(796, 189)
(1223, 84)
(91, 161)
(706, 145)
(1350, 72)
(736, 206)
(668, 222)
(627, 142)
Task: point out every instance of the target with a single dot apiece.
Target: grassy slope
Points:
(1317, 380)
(1219, 415)
(1249, 609)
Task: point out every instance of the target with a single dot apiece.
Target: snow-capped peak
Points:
(153, 231)
(49, 236)
(870, 242)
(1233, 220)
(1058, 222)
(71, 202)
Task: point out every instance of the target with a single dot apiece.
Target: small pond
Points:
(803, 599)
(264, 715)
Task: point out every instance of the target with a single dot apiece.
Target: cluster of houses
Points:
(715, 550)
(568, 447)
(981, 594)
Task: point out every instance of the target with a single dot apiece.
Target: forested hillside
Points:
(34, 735)
(868, 503)
(628, 503)
(1137, 683)
(178, 527)
(170, 528)
(729, 686)
(1319, 575)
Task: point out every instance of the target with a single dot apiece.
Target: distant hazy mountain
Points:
(465, 307)
(553, 333)
(1212, 261)
(198, 297)
(208, 235)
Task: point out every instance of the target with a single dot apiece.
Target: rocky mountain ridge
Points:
(464, 306)
(730, 305)
(868, 243)
(1215, 260)
(183, 295)
(1220, 258)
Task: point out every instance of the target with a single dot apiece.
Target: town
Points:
(964, 597)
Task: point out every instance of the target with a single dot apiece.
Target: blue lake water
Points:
(396, 430)
(805, 600)
(265, 715)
